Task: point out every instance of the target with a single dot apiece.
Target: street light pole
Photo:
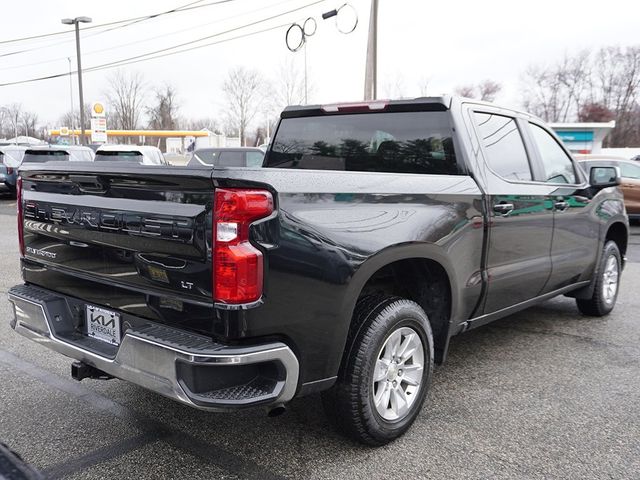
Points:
(371, 69)
(76, 22)
(73, 142)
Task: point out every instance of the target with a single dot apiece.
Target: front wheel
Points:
(607, 283)
(386, 371)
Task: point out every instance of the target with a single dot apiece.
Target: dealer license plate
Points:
(103, 324)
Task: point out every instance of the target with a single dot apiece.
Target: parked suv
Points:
(374, 233)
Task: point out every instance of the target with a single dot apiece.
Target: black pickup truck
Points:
(373, 233)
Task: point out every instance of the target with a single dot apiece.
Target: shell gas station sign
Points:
(98, 123)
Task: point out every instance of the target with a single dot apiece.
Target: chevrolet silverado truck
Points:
(372, 234)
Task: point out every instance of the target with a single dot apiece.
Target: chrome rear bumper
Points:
(180, 365)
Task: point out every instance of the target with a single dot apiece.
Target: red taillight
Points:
(237, 265)
(19, 215)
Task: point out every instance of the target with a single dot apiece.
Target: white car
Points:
(142, 154)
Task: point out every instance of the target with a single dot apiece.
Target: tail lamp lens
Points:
(19, 215)
(238, 265)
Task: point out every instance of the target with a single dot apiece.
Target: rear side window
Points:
(629, 170)
(503, 145)
(399, 142)
(557, 164)
(255, 159)
(12, 158)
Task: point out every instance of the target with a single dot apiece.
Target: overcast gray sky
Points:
(447, 42)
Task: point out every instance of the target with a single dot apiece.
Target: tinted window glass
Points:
(231, 159)
(12, 158)
(411, 142)
(134, 157)
(45, 156)
(629, 170)
(207, 156)
(501, 138)
(254, 159)
(557, 165)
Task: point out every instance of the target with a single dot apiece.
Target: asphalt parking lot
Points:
(545, 393)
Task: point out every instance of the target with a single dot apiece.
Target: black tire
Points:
(349, 404)
(599, 305)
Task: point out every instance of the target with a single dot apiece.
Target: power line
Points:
(147, 39)
(128, 21)
(237, 37)
(159, 53)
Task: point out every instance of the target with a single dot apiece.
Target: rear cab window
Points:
(397, 142)
(42, 156)
(107, 156)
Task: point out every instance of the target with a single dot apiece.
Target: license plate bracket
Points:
(103, 324)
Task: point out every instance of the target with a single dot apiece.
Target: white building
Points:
(583, 137)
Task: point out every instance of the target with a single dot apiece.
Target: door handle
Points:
(561, 205)
(503, 209)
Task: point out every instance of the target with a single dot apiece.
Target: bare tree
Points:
(29, 123)
(595, 112)
(163, 112)
(210, 124)
(72, 119)
(468, 91)
(126, 98)
(423, 86)
(617, 85)
(13, 113)
(394, 87)
(545, 93)
(4, 120)
(243, 90)
(487, 90)
(289, 85)
(599, 85)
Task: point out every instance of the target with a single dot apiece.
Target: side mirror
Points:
(603, 177)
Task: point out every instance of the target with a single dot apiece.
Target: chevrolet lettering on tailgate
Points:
(169, 228)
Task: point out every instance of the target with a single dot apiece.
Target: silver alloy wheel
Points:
(397, 375)
(610, 279)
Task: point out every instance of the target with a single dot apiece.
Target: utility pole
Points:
(73, 142)
(76, 22)
(371, 69)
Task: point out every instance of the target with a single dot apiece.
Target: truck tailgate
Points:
(138, 240)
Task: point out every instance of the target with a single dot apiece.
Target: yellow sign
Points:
(97, 109)
(64, 131)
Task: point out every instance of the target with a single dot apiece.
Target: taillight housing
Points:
(237, 265)
(19, 215)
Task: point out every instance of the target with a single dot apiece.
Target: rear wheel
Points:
(607, 282)
(386, 371)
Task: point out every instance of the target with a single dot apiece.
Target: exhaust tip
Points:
(276, 411)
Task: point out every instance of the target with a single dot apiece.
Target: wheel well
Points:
(425, 282)
(618, 233)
